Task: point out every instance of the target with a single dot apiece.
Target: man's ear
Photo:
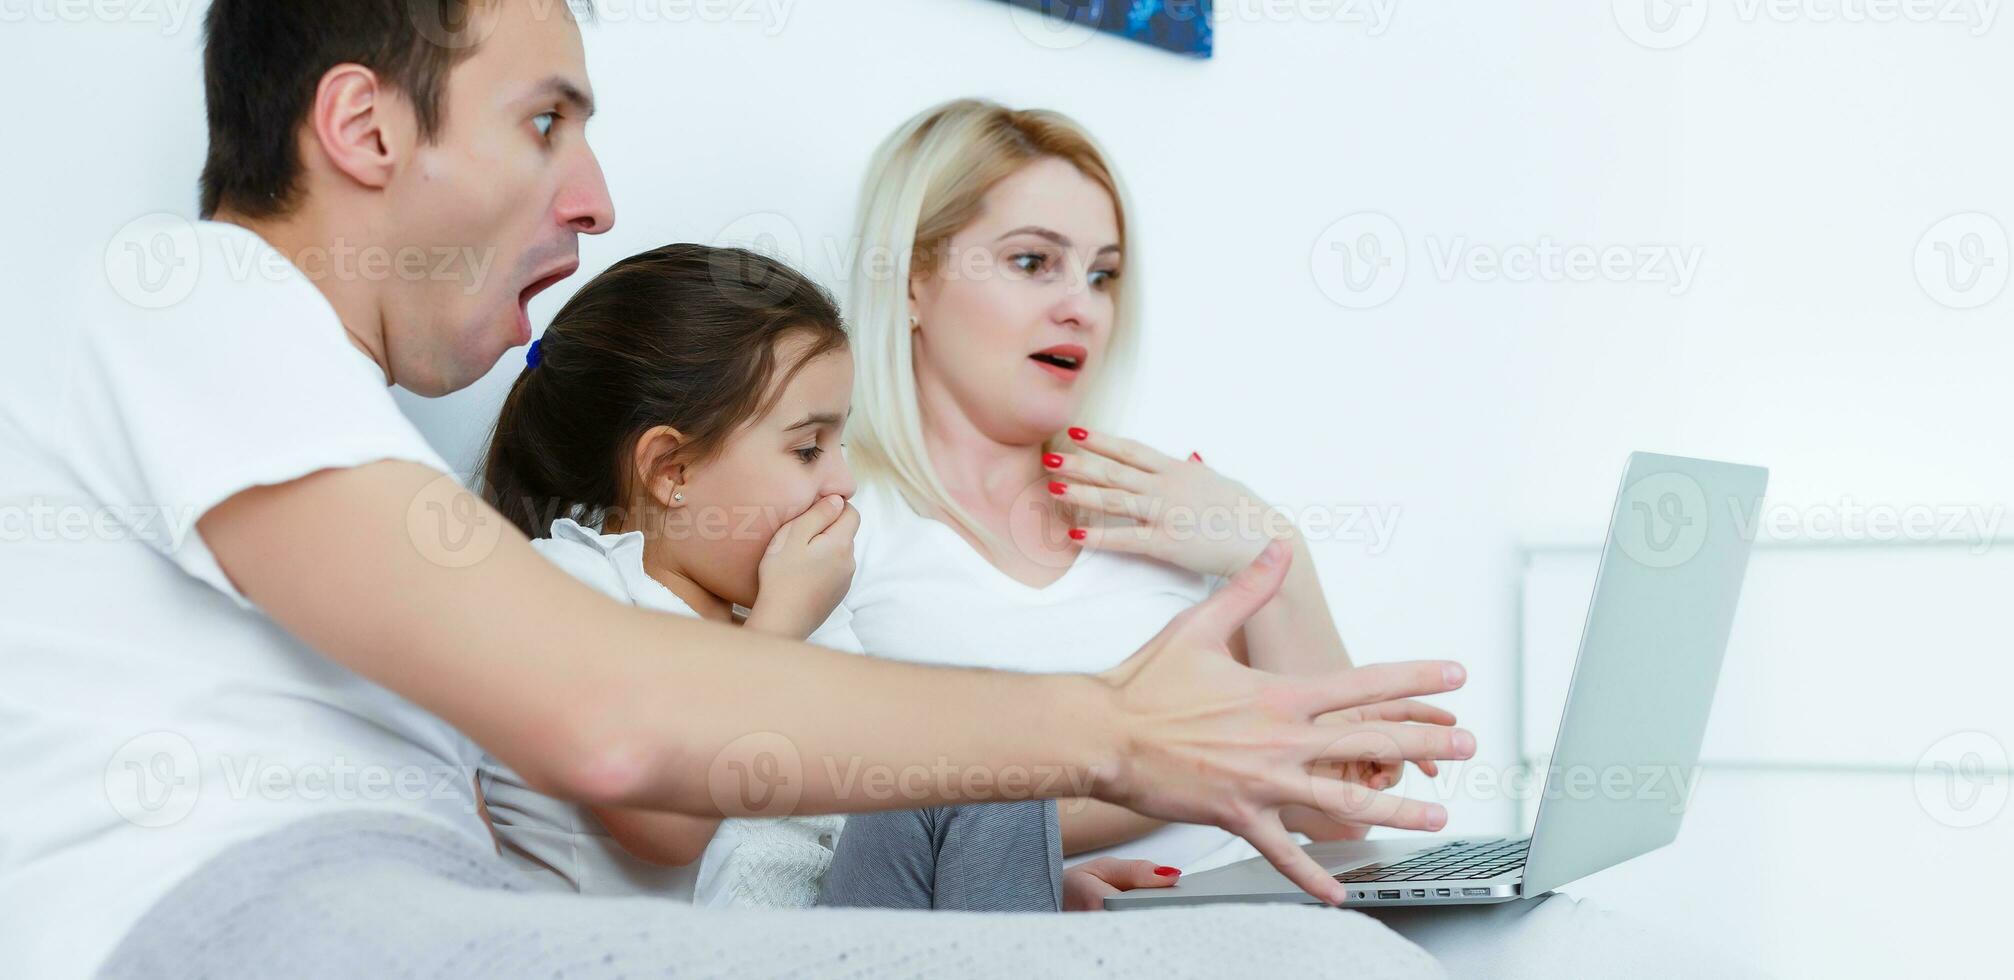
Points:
(362, 126)
(655, 466)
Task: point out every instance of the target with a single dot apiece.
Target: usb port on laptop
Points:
(1389, 893)
(1444, 892)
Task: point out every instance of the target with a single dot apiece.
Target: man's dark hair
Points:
(264, 59)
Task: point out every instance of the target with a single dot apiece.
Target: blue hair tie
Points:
(533, 356)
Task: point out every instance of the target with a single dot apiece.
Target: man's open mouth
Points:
(547, 282)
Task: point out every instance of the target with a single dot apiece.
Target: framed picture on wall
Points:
(1181, 26)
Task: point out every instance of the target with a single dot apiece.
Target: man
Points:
(247, 598)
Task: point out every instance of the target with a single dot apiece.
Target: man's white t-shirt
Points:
(149, 716)
(921, 593)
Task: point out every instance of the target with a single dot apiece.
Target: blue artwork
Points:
(1182, 26)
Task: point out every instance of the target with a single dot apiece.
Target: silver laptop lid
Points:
(1657, 627)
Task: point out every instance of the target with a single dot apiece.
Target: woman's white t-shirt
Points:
(922, 594)
(150, 716)
(757, 863)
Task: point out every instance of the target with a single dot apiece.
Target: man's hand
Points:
(1206, 740)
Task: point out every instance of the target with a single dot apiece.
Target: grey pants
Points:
(992, 857)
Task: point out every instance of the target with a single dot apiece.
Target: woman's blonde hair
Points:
(925, 184)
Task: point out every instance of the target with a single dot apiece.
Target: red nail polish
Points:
(1052, 460)
(1195, 457)
(1058, 488)
(1079, 534)
(1080, 434)
(1167, 872)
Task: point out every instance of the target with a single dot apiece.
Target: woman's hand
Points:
(1086, 885)
(1212, 741)
(806, 570)
(1178, 511)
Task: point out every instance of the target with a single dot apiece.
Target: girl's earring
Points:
(678, 496)
(914, 323)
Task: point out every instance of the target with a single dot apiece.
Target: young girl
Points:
(674, 442)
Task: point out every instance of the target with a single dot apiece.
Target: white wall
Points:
(1800, 159)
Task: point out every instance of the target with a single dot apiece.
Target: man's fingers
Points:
(1270, 838)
(1247, 591)
(1351, 803)
(1392, 741)
(1356, 687)
(1404, 709)
(1407, 709)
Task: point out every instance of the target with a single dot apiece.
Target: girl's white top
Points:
(766, 863)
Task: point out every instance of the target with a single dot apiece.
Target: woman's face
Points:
(770, 472)
(1019, 309)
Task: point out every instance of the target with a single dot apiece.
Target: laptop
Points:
(1636, 709)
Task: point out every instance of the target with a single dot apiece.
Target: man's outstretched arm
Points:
(607, 704)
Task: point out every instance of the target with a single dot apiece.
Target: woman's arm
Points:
(1295, 633)
(575, 692)
(1090, 825)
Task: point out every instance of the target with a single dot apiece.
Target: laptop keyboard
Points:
(1455, 861)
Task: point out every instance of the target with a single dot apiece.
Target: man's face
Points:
(499, 199)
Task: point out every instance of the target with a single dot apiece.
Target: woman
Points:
(995, 508)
